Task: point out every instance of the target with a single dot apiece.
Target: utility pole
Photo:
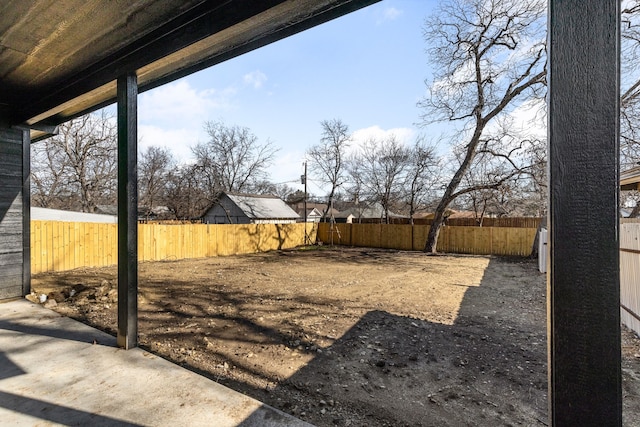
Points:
(304, 181)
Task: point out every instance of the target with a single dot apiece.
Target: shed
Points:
(232, 208)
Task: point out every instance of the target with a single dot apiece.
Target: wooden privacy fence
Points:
(630, 275)
(517, 222)
(463, 240)
(59, 246)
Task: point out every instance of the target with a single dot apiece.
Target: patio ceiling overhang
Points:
(60, 58)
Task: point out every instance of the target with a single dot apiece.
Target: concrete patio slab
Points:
(57, 371)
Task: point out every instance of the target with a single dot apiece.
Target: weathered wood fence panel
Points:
(630, 275)
(59, 246)
(515, 222)
(514, 241)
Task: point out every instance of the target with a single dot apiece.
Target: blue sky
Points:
(367, 69)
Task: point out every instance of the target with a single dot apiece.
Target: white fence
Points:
(542, 250)
(630, 275)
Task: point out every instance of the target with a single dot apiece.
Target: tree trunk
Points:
(329, 204)
(434, 231)
(448, 196)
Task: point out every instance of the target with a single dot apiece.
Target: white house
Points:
(313, 215)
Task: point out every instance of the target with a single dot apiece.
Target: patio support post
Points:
(583, 314)
(14, 211)
(127, 211)
(26, 212)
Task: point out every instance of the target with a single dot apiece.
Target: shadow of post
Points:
(57, 413)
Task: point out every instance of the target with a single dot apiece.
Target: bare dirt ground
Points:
(350, 336)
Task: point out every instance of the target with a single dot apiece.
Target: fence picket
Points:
(630, 275)
(514, 241)
(57, 245)
(64, 245)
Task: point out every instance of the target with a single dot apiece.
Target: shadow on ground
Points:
(487, 367)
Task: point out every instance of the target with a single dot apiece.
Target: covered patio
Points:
(62, 59)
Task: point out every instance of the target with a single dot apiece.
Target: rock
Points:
(56, 296)
(50, 304)
(77, 288)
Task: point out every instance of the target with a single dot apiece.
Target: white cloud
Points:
(389, 14)
(173, 115)
(287, 166)
(530, 118)
(255, 78)
(180, 105)
(527, 120)
(392, 13)
(403, 135)
(179, 141)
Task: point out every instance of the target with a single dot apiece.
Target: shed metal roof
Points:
(263, 207)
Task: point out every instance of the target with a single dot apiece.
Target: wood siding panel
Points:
(11, 209)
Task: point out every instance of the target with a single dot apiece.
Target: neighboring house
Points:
(107, 209)
(364, 212)
(233, 208)
(630, 179)
(156, 213)
(313, 215)
(320, 207)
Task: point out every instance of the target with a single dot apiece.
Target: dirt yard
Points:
(349, 337)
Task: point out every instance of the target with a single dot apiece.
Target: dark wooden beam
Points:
(127, 211)
(208, 18)
(583, 275)
(26, 212)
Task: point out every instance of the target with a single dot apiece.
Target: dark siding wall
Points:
(226, 212)
(11, 209)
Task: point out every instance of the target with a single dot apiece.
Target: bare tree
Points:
(232, 160)
(283, 191)
(185, 197)
(490, 57)
(382, 164)
(505, 173)
(154, 167)
(49, 187)
(421, 175)
(78, 167)
(327, 158)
